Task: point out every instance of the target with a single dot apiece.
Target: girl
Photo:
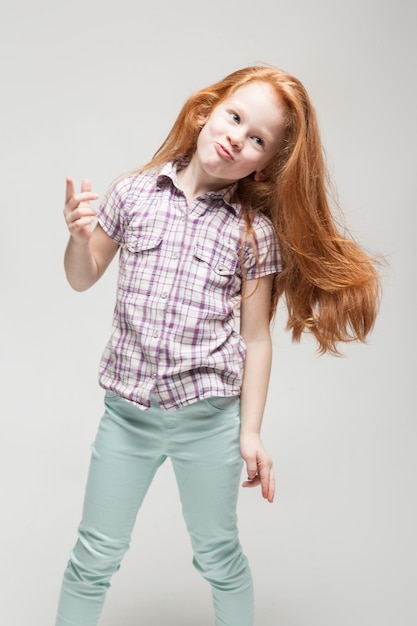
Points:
(232, 211)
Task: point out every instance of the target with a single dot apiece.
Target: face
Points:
(240, 136)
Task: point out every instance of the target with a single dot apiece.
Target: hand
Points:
(78, 213)
(258, 464)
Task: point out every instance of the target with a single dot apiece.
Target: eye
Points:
(235, 118)
(259, 141)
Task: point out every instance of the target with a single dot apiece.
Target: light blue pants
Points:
(202, 441)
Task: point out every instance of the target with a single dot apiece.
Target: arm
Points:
(89, 252)
(255, 329)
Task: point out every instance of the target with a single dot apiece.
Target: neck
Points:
(194, 184)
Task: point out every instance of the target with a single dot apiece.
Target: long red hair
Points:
(330, 285)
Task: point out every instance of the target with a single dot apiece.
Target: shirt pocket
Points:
(139, 261)
(221, 260)
(214, 278)
(137, 241)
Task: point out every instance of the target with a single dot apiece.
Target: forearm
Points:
(253, 398)
(80, 266)
(257, 371)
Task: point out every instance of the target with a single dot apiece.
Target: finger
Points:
(270, 494)
(76, 208)
(265, 475)
(79, 205)
(83, 197)
(72, 200)
(81, 213)
(85, 185)
(267, 481)
(69, 190)
(252, 482)
(80, 223)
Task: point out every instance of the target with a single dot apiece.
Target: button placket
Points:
(178, 234)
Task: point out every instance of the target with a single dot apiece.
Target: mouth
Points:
(223, 152)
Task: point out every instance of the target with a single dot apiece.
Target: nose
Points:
(236, 139)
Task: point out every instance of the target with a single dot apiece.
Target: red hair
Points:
(330, 285)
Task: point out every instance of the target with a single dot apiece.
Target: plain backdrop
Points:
(90, 89)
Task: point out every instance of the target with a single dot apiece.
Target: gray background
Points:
(90, 89)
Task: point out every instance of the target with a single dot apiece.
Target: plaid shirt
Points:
(179, 285)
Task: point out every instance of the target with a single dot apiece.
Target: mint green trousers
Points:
(202, 441)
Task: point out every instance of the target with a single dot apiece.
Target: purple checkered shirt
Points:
(174, 332)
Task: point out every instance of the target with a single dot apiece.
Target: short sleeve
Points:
(112, 214)
(261, 255)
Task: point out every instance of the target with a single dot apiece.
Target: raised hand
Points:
(78, 213)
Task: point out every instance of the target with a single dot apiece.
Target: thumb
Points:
(252, 467)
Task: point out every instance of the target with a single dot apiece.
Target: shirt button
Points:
(153, 375)
(164, 294)
(156, 334)
(175, 256)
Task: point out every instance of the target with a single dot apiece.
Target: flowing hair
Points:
(330, 285)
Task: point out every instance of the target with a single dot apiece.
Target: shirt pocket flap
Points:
(221, 259)
(138, 241)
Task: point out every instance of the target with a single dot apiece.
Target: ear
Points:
(260, 176)
(201, 120)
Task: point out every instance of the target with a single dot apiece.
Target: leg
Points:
(125, 457)
(208, 465)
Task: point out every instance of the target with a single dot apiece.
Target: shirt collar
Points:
(169, 171)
